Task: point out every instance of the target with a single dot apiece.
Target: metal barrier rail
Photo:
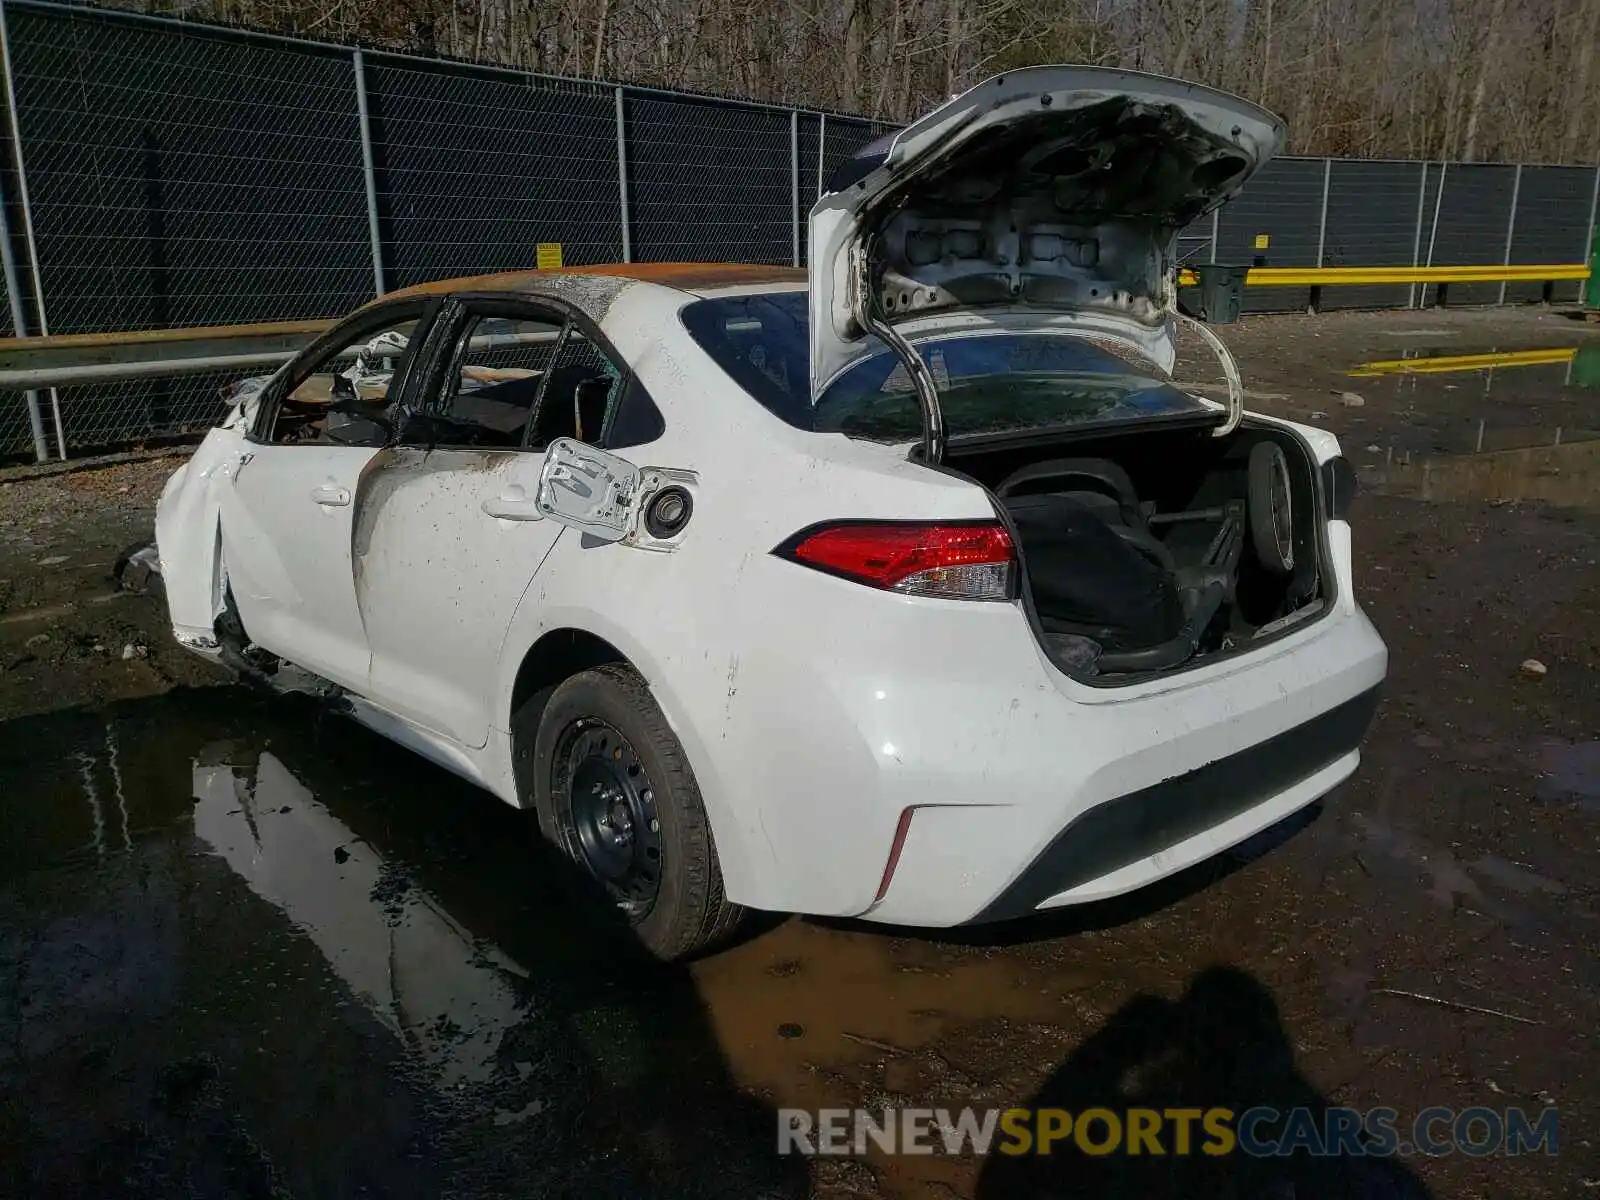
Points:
(1333, 276)
(65, 360)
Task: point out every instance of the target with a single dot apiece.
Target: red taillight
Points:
(965, 561)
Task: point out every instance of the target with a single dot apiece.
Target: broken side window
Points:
(583, 388)
(343, 397)
(496, 369)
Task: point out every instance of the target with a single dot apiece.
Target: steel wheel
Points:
(599, 765)
(608, 805)
(1271, 508)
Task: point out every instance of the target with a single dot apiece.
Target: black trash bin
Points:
(1221, 291)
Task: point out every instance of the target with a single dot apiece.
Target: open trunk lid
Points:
(1046, 200)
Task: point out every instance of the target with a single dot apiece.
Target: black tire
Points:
(688, 913)
(1269, 501)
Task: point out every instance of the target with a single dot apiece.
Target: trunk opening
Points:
(1154, 551)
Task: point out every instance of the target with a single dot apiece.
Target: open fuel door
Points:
(611, 500)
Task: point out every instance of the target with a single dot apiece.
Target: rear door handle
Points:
(330, 495)
(513, 504)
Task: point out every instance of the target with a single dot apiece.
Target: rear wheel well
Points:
(555, 657)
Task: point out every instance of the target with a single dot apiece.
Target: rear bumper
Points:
(1095, 800)
(1180, 821)
(879, 705)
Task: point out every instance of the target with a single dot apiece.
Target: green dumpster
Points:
(1591, 295)
(1221, 291)
(1586, 364)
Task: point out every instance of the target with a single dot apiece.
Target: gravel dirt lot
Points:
(248, 949)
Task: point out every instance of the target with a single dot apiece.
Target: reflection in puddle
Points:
(1530, 900)
(420, 972)
(1451, 881)
(230, 927)
(1582, 363)
(1570, 773)
(1567, 476)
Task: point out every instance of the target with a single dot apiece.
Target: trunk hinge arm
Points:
(1230, 371)
(865, 307)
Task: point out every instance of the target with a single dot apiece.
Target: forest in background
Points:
(1466, 80)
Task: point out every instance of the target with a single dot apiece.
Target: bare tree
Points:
(1476, 79)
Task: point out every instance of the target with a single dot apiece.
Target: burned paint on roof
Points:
(686, 277)
(694, 276)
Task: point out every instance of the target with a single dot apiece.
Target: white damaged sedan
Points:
(919, 594)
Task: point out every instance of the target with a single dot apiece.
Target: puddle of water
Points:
(1570, 774)
(418, 970)
(1581, 362)
(848, 1003)
(303, 919)
(1450, 880)
(1528, 900)
(1566, 476)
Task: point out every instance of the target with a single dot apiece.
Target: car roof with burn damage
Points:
(693, 278)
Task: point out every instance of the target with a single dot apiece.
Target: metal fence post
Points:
(622, 178)
(822, 148)
(794, 176)
(19, 325)
(35, 418)
(1588, 238)
(1322, 220)
(1511, 226)
(1314, 297)
(367, 172)
(1216, 224)
(1433, 233)
(1416, 241)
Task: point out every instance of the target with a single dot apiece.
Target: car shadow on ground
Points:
(254, 950)
(1221, 1044)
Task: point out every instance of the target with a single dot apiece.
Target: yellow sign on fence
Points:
(549, 256)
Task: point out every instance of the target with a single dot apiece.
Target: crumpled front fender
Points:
(189, 535)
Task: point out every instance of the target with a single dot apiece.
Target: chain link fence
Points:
(165, 174)
(1372, 221)
(474, 168)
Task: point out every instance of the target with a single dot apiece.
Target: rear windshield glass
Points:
(988, 383)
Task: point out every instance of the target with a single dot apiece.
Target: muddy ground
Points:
(250, 949)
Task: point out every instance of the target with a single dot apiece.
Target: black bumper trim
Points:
(1142, 823)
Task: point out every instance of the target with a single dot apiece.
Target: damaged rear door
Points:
(286, 505)
(448, 530)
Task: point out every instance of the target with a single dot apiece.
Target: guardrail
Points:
(1333, 276)
(67, 360)
(34, 364)
(1440, 278)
